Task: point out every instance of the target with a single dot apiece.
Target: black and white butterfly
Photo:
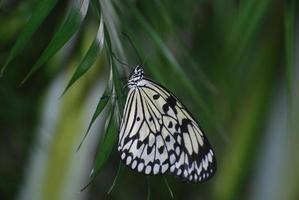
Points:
(158, 135)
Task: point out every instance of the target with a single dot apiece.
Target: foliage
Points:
(222, 58)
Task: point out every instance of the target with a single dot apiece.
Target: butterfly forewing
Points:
(158, 135)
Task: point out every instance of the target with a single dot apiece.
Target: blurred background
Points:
(234, 64)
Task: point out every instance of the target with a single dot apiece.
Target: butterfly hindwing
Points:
(158, 135)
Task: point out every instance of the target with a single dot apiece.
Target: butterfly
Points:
(158, 135)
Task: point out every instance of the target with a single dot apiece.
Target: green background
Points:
(234, 64)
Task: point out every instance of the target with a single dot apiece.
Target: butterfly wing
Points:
(159, 135)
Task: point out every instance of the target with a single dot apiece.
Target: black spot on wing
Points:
(184, 126)
(149, 149)
(156, 96)
(167, 138)
(161, 149)
(170, 103)
(139, 144)
(170, 125)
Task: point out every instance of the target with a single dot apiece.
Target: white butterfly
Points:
(158, 135)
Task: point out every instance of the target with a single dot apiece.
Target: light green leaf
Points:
(72, 21)
(40, 12)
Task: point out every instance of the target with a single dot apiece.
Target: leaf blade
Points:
(100, 107)
(106, 146)
(89, 58)
(65, 31)
(40, 12)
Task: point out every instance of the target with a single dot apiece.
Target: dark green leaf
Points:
(168, 55)
(106, 145)
(168, 187)
(65, 31)
(97, 7)
(246, 25)
(40, 12)
(101, 105)
(115, 75)
(118, 173)
(89, 58)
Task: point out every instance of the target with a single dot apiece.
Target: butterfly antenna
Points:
(133, 46)
(119, 61)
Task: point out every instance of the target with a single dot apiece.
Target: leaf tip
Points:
(79, 147)
(4, 68)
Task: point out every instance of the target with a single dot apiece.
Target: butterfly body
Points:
(158, 135)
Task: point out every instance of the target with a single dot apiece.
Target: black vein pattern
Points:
(158, 135)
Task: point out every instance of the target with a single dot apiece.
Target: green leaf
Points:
(115, 75)
(65, 31)
(40, 12)
(246, 25)
(89, 58)
(106, 145)
(168, 187)
(100, 107)
(166, 52)
(118, 173)
(172, 62)
(289, 22)
(97, 7)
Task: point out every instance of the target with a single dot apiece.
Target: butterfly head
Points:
(136, 75)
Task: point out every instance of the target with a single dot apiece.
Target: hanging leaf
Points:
(100, 107)
(89, 58)
(118, 174)
(71, 23)
(106, 145)
(40, 12)
(168, 187)
(97, 7)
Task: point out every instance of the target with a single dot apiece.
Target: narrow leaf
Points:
(89, 58)
(246, 25)
(168, 187)
(174, 64)
(106, 145)
(65, 31)
(97, 7)
(115, 75)
(118, 173)
(40, 12)
(101, 105)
